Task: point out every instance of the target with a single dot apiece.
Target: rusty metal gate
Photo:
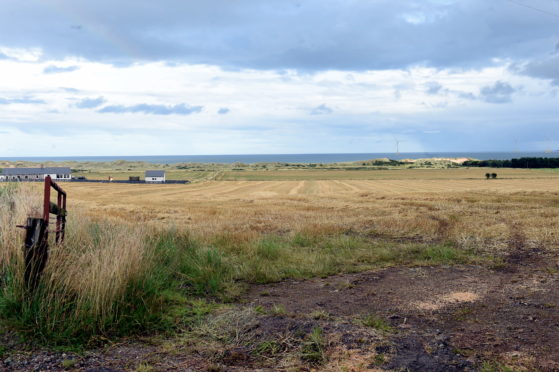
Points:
(36, 248)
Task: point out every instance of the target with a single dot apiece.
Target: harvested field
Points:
(462, 210)
(384, 174)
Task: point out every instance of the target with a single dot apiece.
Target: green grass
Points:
(160, 299)
(313, 350)
(496, 367)
(377, 323)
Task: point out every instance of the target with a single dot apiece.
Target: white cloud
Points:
(22, 54)
(268, 111)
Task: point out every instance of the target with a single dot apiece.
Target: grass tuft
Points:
(377, 323)
(313, 350)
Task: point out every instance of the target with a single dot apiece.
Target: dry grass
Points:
(87, 279)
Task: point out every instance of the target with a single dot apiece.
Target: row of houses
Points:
(35, 174)
(61, 174)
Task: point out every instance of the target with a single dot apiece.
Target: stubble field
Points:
(459, 205)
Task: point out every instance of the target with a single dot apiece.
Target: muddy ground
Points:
(459, 318)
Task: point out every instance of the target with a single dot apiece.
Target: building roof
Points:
(155, 173)
(33, 171)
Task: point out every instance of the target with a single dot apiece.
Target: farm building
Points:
(155, 176)
(35, 174)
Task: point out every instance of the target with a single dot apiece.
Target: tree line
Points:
(515, 163)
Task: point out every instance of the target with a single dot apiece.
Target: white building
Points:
(155, 176)
(35, 174)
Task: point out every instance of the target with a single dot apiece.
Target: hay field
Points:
(438, 207)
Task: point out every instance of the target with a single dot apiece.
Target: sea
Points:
(287, 158)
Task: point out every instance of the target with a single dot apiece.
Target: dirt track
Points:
(448, 318)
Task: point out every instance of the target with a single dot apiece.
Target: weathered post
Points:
(35, 251)
(36, 248)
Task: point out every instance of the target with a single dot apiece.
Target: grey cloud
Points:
(544, 69)
(466, 95)
(179, 109)
(321, 110)
(500, 92)
(90, 102)
(52, 69)
(223, 111)
(280, 34)
(433, 87)
(21, 100)
(69, 90)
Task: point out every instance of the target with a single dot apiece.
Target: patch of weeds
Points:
(377, 323)
(441, 254)
(303, 240)
(68, 363)
(320, 314)
(488, 366)
(379, 359)
(553, 270)
(313, 350)
(278, 310)
(497, 264)
(268, 348)
(188, 311)
(463, 352)
(214, 368)
(269, 248)
(344, 284)
(144, 368)
(259, 309)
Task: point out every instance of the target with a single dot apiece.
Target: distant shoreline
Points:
(283, 158)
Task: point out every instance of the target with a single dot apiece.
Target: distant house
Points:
(35, 174)
(155, 176)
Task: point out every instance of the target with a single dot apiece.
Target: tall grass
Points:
(106, 279)
(112, 277)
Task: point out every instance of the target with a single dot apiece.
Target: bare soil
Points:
(474, 314)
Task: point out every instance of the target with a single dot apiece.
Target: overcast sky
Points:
(144, 77)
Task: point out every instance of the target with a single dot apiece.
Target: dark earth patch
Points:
(509, 315)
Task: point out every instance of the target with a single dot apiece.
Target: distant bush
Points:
(493, 175)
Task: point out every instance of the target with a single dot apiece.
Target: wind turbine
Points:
(397, 141)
